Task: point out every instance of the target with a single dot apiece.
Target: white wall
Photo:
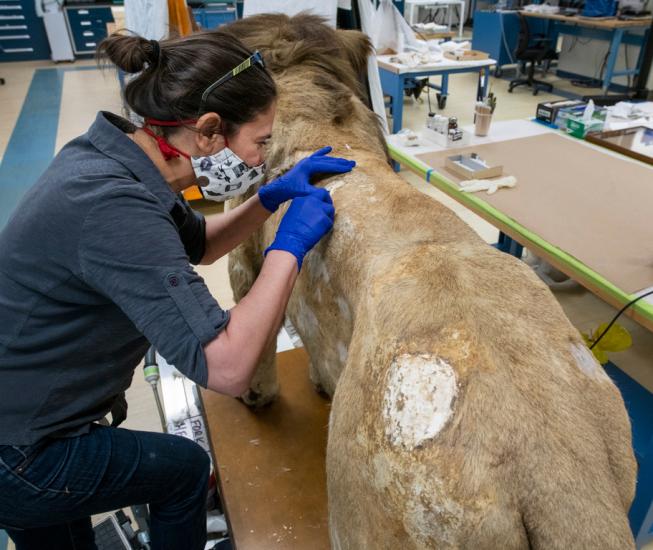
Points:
(584, 56)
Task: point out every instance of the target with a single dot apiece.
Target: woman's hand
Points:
(297, 181)
(308, 219)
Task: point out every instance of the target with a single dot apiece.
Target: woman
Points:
(95, 267)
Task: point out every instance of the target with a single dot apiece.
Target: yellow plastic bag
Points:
(616, 339)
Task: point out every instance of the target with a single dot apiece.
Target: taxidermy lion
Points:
(467, 412)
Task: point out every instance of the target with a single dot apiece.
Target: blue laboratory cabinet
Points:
(87, 26)
(215, 14)
(22, 33)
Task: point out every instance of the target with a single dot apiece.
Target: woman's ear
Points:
(209, 133)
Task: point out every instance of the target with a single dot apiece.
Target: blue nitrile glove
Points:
(308, 219)
(297, 181)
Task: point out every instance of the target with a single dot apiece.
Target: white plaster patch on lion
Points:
(587, 362)
(418, 400)
(334, 185)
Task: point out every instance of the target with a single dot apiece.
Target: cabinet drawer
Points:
(89, 16)
(6, 28)
(85, 33)
(8, 36)
(12, 18)
(86, 41)
(17, 54)
(8, 9)
(16, 45)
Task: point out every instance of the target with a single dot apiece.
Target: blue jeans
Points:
(48, 492)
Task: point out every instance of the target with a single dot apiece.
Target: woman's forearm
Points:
(226, 231)
(232, 357)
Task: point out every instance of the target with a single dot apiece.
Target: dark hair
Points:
(175, 72)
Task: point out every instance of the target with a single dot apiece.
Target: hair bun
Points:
(156, 53)
(129, 53)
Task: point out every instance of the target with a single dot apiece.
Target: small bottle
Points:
(441, 124)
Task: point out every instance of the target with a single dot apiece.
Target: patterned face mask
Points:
(220, 176)
(225, 175)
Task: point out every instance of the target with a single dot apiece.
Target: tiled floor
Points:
(88, 90)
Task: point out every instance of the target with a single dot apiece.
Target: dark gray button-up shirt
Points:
(94, 264)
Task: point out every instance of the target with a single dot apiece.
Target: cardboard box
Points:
(548, 110)
(468, 167)
(466, 55)
(563, 114)
(576, 127)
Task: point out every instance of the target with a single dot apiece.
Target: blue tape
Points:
(428, 175)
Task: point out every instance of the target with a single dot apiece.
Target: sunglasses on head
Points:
(255, 59)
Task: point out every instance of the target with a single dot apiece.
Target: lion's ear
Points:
(357, 47)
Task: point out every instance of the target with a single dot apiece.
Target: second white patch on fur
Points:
(419, 399)
(342, 352)
(587, 362)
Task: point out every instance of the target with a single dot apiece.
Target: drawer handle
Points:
(87, 33)
(85, 23)
(82, 12)
(91, 44)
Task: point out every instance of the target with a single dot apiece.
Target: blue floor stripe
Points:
(32, 142)
(75, 69)
(31, 146)
(639, 403)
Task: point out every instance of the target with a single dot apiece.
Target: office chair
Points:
(533, 49)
